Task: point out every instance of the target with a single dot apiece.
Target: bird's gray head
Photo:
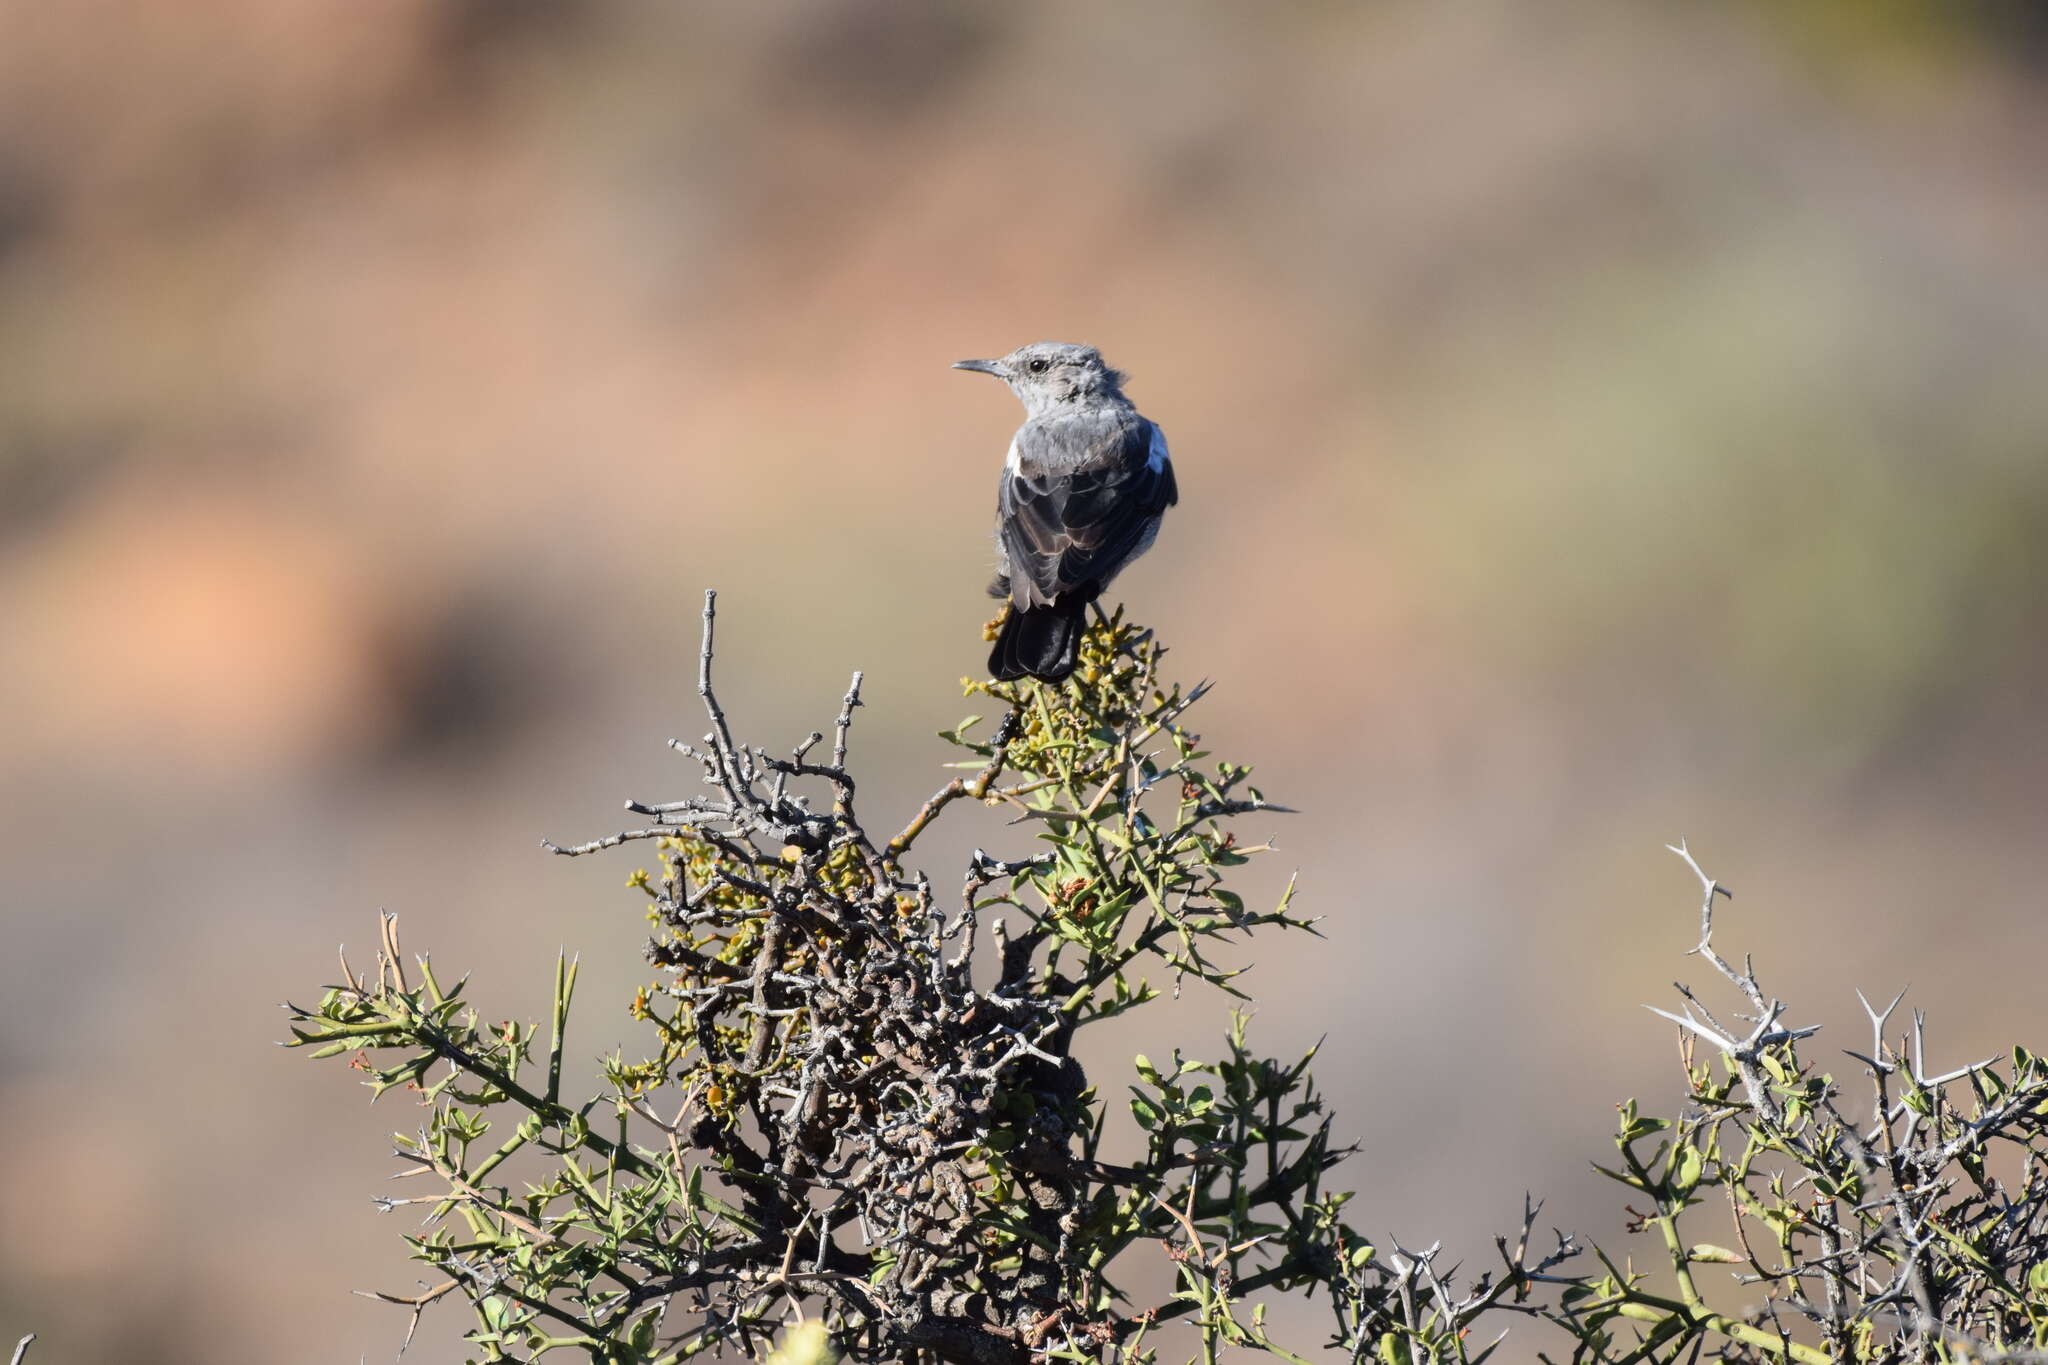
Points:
(1052, 374)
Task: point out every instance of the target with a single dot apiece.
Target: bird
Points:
(1087, 481)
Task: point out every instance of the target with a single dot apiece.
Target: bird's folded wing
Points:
(1077, 501)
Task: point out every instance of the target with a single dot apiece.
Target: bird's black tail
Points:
(1040, 642)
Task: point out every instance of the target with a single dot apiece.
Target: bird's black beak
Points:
(994, 367)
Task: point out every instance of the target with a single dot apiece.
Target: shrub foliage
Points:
(857, 1107)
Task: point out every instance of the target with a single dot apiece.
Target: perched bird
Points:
(1083, 491)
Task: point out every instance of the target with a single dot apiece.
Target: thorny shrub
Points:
(845, 1119)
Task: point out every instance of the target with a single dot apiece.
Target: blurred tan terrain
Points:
(1597, 424)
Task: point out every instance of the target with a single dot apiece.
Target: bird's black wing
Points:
(1078, 501)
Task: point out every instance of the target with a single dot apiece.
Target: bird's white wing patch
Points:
(1010, 462)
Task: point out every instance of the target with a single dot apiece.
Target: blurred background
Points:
(1597, 424)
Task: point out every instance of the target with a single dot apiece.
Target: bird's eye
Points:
(1039, 366)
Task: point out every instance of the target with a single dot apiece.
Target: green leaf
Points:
(1617, 1176)
(1686, 1166)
